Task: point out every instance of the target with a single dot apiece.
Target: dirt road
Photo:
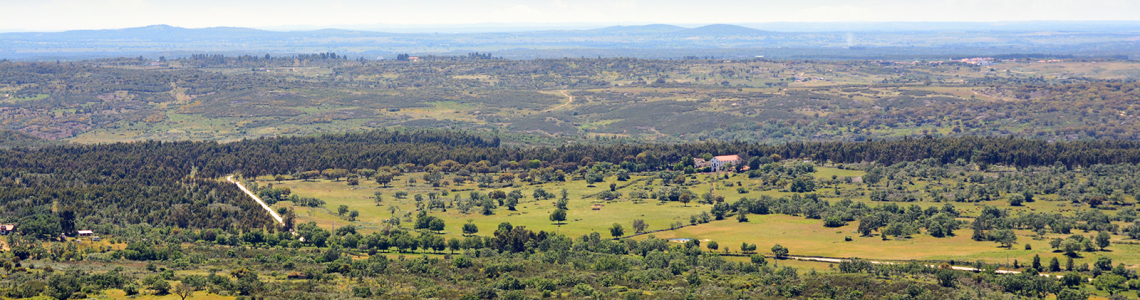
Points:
(564, 104)
(838, 260)
(255, 198)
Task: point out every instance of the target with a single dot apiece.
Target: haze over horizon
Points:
(533, 15)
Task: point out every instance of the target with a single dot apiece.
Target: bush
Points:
(583, 289)
(462, 262)
(834, 221)
(361, 292)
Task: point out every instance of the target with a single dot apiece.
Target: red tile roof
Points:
(727, 157)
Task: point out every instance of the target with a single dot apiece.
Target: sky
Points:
(60, 15)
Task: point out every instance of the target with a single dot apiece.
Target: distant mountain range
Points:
(174, 41)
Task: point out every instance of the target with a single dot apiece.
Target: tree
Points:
(469, 228)
(183, 290)
(1070, 247)
(946, 277)
(558, 216)
(1072, 279)
(1037, 262)
(512, 202)
(1111, 283)
(779, 251)
(160, 286)
(1071, 294)
(335, 174)
(1005, 237)
(1102, 240)
(379, 197)
(565, 195)
(741, 216)
(680, 179)
(616, 230)
(436, 225)
(1016, 199)
(453, 245)
(342, 209)
(384, 178)
(639, 225)
(1054, 265)
(712, 245)
(719, 210)
(1055, 243)
(562, 204)
(685, 199)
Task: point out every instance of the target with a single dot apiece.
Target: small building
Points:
(700, 163)
(720, 161)
(7, 228)
(86, 233)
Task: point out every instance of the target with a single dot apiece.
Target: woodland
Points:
(570, 100)
(162, 204)
(476, 177)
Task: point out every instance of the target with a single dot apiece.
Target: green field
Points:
(803, 236)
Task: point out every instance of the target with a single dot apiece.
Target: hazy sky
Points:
(55, 15)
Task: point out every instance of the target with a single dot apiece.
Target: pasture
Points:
(807, 237)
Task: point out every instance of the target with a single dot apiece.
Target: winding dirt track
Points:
(564, 104)
(255, 198)
(837, 260)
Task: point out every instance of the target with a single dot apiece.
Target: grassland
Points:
(807, 237)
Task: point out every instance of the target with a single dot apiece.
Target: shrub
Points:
(583, 289)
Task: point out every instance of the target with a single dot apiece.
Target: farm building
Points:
(700, 163)
(86, 233)
(720, 161)
(7, 228)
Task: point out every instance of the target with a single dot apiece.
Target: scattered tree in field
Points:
(342, 209)
(558, 216)
(436, 225)
(183, 290)
(747, 248)
(1102, 240)
(712, 245)
(779, 251)
(616, 230)
(384, 178)
(1005, 237)
(562, 204)
(758, 259)
(335, 174)
(639, 225)
(470, 228)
